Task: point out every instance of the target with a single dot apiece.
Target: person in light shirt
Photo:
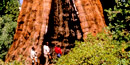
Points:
(46, 51)
(33, 56)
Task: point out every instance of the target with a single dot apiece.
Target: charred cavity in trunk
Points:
(64, 25)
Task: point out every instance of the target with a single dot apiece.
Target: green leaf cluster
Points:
(8, 16)
(99, 50)
(9, 7)
(119, 18)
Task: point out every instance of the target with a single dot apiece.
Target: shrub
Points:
(99, 50)
(11, 63)
(119, 18)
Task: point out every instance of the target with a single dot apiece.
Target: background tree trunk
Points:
(67, 21)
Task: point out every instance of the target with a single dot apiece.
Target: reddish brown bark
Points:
(64, 25)
(30, 30)
(91, 16)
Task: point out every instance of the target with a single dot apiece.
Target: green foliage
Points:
(119, 18)
(99, 50)
(8, 15)
(9, 7)
(11, 63)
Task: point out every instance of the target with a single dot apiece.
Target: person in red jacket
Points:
(58, 51)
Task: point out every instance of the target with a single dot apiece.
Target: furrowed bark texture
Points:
(67, 21)
(91, 16)
(30, 31)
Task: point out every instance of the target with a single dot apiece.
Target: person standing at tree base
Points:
(46, 50)
(58, 51)
(33, 56)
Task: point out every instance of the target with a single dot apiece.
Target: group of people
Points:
(46, 52)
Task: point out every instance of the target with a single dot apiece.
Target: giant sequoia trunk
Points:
(66, 20)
